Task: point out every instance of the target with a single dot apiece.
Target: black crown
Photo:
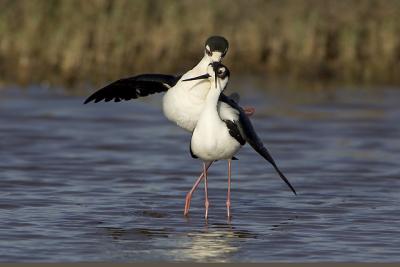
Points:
(217, 43)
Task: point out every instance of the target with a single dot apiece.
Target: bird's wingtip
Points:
(294, 192)
(89, 99)
(283, 177)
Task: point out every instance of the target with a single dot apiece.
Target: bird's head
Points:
(216, 48)
(217, 73)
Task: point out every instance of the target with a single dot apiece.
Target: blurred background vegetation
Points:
(70, 42)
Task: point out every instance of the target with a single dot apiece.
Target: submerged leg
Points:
(206, 203)
(190, 193)
(228, 200)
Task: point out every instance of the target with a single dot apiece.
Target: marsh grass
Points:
(74, 41)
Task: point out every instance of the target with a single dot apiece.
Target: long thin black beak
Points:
(215, 72)
(204, 76)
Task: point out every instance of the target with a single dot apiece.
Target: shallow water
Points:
(107, 182)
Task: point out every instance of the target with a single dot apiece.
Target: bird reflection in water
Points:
(214, 242)
(217, 242)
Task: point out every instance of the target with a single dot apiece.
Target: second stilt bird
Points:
(218, 136)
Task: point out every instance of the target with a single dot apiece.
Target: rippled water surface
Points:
(107, 181)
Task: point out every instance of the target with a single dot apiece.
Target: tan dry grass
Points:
(99, 40)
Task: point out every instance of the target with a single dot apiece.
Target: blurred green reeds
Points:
(94, 41)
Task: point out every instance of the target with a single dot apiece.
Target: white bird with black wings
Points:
(221, 130)
(183, 101)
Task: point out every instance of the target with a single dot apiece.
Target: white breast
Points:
(211, 139)
(184, 102)
(213, 142)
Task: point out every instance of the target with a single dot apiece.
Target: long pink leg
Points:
(190, 193)
(228, 200)
(206, 203)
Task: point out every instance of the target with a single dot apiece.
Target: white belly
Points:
(213, 143)
(183, 103)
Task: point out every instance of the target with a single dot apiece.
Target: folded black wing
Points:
(250, 135)
(234, 131)
(134, 87)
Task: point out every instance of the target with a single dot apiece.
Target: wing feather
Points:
(250, 135)
(134, 87)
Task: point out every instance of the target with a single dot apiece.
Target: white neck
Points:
(209, 121)
(204, 62)
(211, 102)
(197, 88)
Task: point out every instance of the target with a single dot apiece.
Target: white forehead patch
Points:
(208, 48)
(216, 56)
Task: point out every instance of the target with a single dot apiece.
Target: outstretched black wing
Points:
(134, 87)
(250, 135)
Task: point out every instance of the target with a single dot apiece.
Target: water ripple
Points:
(107, 182)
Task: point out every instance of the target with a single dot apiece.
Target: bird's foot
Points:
(249, 111)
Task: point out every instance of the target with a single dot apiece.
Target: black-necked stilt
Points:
(222, 128)
(182, 102)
